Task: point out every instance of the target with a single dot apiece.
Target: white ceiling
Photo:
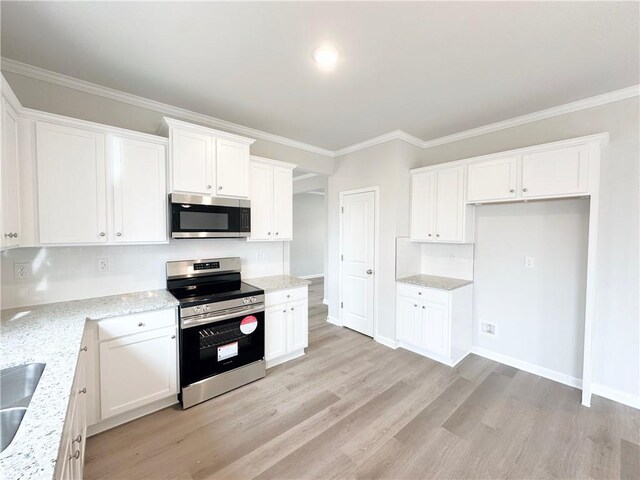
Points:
(430, 69)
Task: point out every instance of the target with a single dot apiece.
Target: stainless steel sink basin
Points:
(17, 385)
(9, 422)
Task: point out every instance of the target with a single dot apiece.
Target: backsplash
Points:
(68, 273)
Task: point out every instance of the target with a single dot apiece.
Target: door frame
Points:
(376, 250)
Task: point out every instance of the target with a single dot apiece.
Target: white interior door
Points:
(358, 257)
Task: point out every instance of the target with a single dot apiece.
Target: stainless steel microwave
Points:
(199, 216)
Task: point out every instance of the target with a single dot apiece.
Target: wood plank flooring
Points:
(352, 408)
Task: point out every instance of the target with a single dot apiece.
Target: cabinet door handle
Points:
(15, 235)
(524, 189)
(102, 234)
(268, 233)
(276, 233)
(140, 324)
(511, 190)
(83, 349)
(220, 187)
(78, 439)
(284, 311)
(119, 234)
(292, 309)
(75, 456)
(423, 307)
(419, 293)
(173, 336)
(209, 187)
(84, 390)
(415, 304)
(438, 235)
(429, 234)
(8, 235)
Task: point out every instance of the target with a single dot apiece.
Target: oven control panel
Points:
(206, 266)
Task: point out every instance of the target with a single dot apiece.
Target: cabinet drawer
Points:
(135, 323)
(283, 296)
(423, 293)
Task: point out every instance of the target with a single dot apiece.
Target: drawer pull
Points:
(140, 324)
(75, 456)
(172, 337)
(78, 439)
(84, 390)
(83, 349)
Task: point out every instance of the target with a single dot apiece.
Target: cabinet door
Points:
(407, 320)
(275, 342)
(137, 369)
(261, 191)
(556, 172)
(422, 206)
(232, 168)
(283, 203)
(434, 331)
(191, 162)
(492, 180)
(450, 204)
(139, 191)
(10, 178)
(71, 184)
(298, 333)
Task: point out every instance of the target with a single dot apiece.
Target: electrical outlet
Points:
(103, 264)
(488, 328)
(21, 271)
(529, 262)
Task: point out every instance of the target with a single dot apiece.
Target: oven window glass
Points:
(204, 221)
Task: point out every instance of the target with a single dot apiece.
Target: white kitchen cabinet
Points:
(434, 323)
(286, 325)
(438, 210)
(492, 180)
(137, 369)
(271, 194)
(206, 161)
(72, 200)
(139, 191)
(232, 168)
(555, 172)
(192, 161)
(9, 172)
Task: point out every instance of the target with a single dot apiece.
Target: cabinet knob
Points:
(284, 311)
(268, 233)
(8, 235)
(524, 189)
(75, 456)
(83, 349)
(220, 187)
(430, 235)
(78, 439)
(512, 190)
(102, 234)
(415, 304)
(288, 295)
(438, 235)
(173, 336)
(119, 234)
(292, 309)
(140, 324)
(84, 390)
(209, 187)
(423, 307)
(419, 293)
(276, 233)
(369, 272)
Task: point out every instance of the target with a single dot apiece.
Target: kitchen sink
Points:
(17, 385)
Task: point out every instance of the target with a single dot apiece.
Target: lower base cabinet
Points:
(286, 325)
(434, 323)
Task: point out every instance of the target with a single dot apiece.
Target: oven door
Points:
(208, 349)
(194, 216)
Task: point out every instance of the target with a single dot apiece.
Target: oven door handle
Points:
(208, 318)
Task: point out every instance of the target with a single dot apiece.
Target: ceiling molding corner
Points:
(42, 74)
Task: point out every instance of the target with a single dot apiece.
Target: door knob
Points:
(369, 272)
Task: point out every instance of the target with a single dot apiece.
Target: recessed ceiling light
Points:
(326, 57)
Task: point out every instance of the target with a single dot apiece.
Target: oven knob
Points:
(246, 300)
(196, 309)
(253, 299)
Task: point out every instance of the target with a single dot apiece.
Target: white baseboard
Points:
(325, 301)
(285, 358)
(386, 341)
(529, 367)
(615, 395)
(126, 417)
(335, 321)
(309, 277)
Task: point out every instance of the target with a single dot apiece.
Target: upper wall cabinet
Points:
(11, 234)
(72, 196)
(208, 162)
(139, 191)
(554, 172)
(438, 211)
(100, 188)
(271, 192)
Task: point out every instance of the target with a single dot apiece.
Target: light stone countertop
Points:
(277, 282)
(52, 334)
(433, 281)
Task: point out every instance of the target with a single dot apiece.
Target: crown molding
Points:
(94, 89)
(38, 73)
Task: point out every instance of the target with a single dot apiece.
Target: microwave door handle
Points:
(204, 319)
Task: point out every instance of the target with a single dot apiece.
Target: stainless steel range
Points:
(221, 327)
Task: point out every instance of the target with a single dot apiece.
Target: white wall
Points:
(309, 235)
(539, 311)
(616, 349)
(67, 273)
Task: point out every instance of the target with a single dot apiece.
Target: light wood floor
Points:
(352, 408)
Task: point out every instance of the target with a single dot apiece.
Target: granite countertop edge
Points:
(434, 281)
(52, 334)
(274, 283)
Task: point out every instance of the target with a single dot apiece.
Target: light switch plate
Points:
(529, 262)
(103, 264)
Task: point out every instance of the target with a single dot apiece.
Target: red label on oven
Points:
(248, 324)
